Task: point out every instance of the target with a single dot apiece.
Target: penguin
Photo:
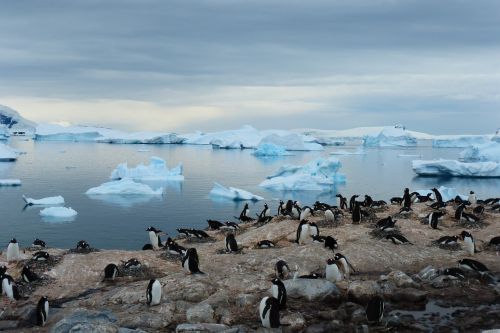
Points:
(231, 244)
(406, 198)
(245, 212)
(231, 226)
(174, 248)
(27, 275)
(478, 210)
(38, 243)
(154, 237)
(266, 212)
(378, 204)
(318, 239)
(333, 270)
(40, 256)
(352, 201)
(405, 210)
(342, 201)
(470, 217)
(398, 239)
(265, 244)
(281, 269)
(386, 224)
(42, 311)
(82, 245)
(495, 241)
(472, 198)
(296, 210)
(375, 309)
(191, 262)
(147, 247)
(281, 207)
(279, 292)
(437, 195)
(368, 201)
(132, 264)
(424, 198)
(468, 240)
(454, 273)
(356, 213)
(302, 233)
(269, 312)
(313, 229)
(214, 225)
(288, 208)
(331, 243)
(414, 197)
(312, 276)
(306, 213)
(396, 200)
(472, 265)
(329, 215)
(13, 251)
(200, 233)
(447, 240)
(434, 219)
(153, 293)
(110, 272)
(459, 211)
(3, 269)
(185, 232)
(346, 265)
(9, 288)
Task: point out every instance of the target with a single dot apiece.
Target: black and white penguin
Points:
(302, 233)
(447, 240)
(472, 198)
(132, 263)
(331, 243)
(153, 293)
(154, 237)
(281, 269)
(495, 241)
(311, 276)
(266, 212)
(281, 207)
(352, 201)
(231, 226)
(346, 265)
(42, 311)
(334, 270)
(342, 201)
(356, 213)
(296, 210)
(375, 309)
(9, 288)
(313, 229)
(396, 200)
(174, 248)
(265, 244)
(110, 272)
(27, 275)
(279, 292)
(406, 198)
(13, 251)
(269, 312)
(378, 204)
(459, 211)
(40, 256)
(405, 210)
(437, 195)
(306, 213)
(468, 240)
(434, 219)
(472, 265)
(231, 244)
(478, 210)
(191, 262)
(398, 239)
(38, 243)
(329, 215)
(318, 239)
(368, 201)
(454, 273)
(147, 247)
(245, 212)
(470, 217)
(386, 224)
(214, 225)
(82, 245)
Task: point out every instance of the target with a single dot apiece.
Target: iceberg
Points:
(124, 186)
(142, 138)
(15, 124)
(390, 137)
(454, 168)
(356, 133)
(10, 182)
(7, 153)
(458, 141)
(233, 193)
(291, 142)
(489, 151)
(448, 193)
(270, 150)
(57, 200)
(156, 171)
(58, 212)
(317, 175)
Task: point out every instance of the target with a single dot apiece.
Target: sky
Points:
(211, 65)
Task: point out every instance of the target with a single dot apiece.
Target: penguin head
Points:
(277, 282)
(3, 269)
(265, 206)
(330, 261)
(338, 256)
(471, 192)
(13, 241)
(464, 234)
(45, 298)
(153, 229)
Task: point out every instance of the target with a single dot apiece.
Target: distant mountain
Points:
(14, 122)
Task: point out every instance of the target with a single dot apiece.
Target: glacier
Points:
(390, 137)
(57, 200)
(233, 193)
(124, 186)
(7, 153)
(4, 132)
(270, 150)
(156, 171)
(317, 175)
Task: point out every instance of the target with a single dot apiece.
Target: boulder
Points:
(200, 313)
(361, 291)
(310, 288)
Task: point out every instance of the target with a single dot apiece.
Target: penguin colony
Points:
(337, 267)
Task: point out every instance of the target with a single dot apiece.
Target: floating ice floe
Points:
(233, 193)
(448, 193)
(317, 175)
(57, 200)
(291, 142)
(7, 153)
(10, 182)
(489, 151)
(390, 137)
(58, 212)
(270, 150)
(359, 151)
(124, 186)
(156, 171)
(456, 168)
(458, 141)
(355, 133)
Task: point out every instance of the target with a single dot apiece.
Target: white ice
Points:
(458, 141)
(317, 175)
(10, 182)
(358, 151)
(156, 170)
(270, 149)
(390, 137)
(57, 200)
(291, 142)
(233, 193)
(355, 133)
(125, 186)
(4, 132)
(456, 168)
(448, 193)
(489, 151)
(58, 212)
(7, 153)
(15, 123)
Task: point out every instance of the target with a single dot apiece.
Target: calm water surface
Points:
(70, 169)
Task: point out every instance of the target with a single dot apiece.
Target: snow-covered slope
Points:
(14, 122)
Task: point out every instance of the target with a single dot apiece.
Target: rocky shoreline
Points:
(225, 299)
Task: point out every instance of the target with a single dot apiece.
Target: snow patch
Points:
(156, 171)
(233, 193)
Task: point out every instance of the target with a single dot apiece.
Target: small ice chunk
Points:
(233, 193)
(58, 212)
(57, 200)
(270, 150)
(156, 170)
(7, 153)
(124, 186)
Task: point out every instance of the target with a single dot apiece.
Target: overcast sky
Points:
(185, 65)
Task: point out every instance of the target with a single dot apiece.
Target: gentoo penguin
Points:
(378, 204)
(459, 211)
(329, 215)
(214, 225)
(296, 210)
(231, 244)
(437, 195)
(396, 200)
(468, 240)
(398, 239)
(147, 247)
(356, 213)
(434, 219)
(265, 212)
(313, 229)
(447, 240)
(200, 233)
(265, 244)
(38, 243)
(333, 270)
(82, 245)
(154, 239)
(245, 212)
(42, 311)
(9, 288)
(13, 251)
(231, 226)
(110, 272)
(342, 201)
(191, 262)
(281, 269)
(279, 292)
(406, 198)
(472, 265)
(174, 248)
(269, 312)
(40, 256)
(302, 233)
(470, 217)
(375, 309)
(386, 224)
(352, 201)
(331, 243)
(495, 241)
(318, 239)
(478, 210)
(472, 198)
(405, 210)
(132, 264)
(311, 276)
(368, 201)
(153, 293)
(346, 265)
(454, 273)
(281, 207)
(28, 275)
(305, 213)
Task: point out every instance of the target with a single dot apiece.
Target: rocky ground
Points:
(226, 298)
